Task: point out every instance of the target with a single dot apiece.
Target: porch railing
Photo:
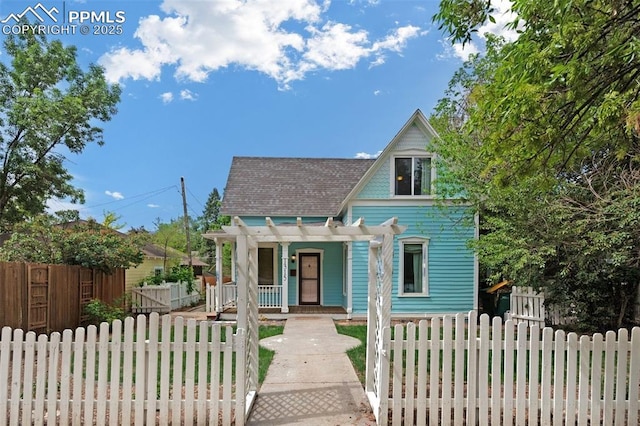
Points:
(269, 296)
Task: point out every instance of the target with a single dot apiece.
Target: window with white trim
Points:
(412, 176)
(413, 267)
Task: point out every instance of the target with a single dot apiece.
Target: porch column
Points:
(349, 267)
(218, 288)
(234, 276)
(285, 278)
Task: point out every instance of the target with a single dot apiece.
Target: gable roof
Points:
(416, 118)
(276, 186)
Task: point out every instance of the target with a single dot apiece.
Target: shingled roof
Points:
(271, 186)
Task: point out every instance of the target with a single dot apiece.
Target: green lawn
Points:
(357, 355)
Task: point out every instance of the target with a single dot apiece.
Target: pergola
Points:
(247, 238)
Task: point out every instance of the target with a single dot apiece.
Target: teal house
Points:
(434, 272)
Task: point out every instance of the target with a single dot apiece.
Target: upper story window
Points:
(412, 175)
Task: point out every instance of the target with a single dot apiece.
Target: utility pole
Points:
(186, 221)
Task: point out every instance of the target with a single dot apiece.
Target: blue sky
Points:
(203, 81)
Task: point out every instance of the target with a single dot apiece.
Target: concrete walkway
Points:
(311, 380)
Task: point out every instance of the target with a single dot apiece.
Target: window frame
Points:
(412, 154)
(274, 249)
(424, 241)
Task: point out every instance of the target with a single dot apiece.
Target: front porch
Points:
(223, 301)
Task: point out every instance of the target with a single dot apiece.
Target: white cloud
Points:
(115, 195)
(197, 38)
(376, 92)
(188, 95)
(503, 16)
(366, 155)
(153, 206)
(166, 97)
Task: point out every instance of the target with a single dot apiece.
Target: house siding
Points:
(331, 272)
(133, 276)
(451, 265)
(379, 186)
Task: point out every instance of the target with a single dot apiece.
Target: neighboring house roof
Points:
(272, 186)
(151, 250)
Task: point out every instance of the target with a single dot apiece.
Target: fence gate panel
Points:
(38, 298)
(87, 291)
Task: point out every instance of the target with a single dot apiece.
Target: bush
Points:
(177, 274)
(99, 312)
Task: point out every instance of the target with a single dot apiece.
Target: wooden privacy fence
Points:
(162, 298)
(133, 373)
(47, 298)
(452, 371)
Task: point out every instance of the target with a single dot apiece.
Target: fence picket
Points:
(410, 382)
(496, 370)
(103, 383)
(634, 377)
(621, 375)
(397, 374)
(508, 360)
(558, 377)
(29, 357)
(151, 357)
(116, 355)
(215, 376)
(189, 372)
(165, 368)
(534, 374)
(40, 379)
(423, 357)
(226, 378)
(571, 379)
(90, 371)
(127, 369)
(546, 389)
(609, 377)
(178, 343)
(434, 370)
(584, 368)
(483, 372)
(596, 378)
(472, 368)
(203, 351)
(459, 347)
(447, 370)
(53, 352)
(140, 369)
(521, 373)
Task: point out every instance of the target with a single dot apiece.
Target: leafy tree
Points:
(542, 136)
(87, 244)
(169, 235)
(211, 220)
(111, 219)
(48, 105)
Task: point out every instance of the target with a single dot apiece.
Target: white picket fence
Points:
(440, 373)
(528, 305)
(162, 298)
(133, 372)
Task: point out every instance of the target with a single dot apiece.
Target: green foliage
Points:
(541, 135)
(99, 312)
(48, 105)
(84, 243)
(176, 274)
